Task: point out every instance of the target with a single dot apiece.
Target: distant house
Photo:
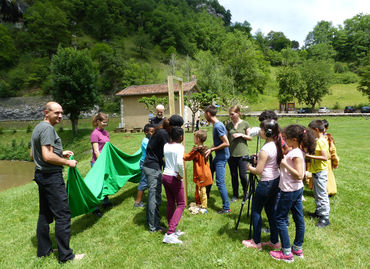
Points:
(136, 115)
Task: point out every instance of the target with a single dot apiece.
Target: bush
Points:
(18, 151)
(345, 78)
(1, 130)
(336, 106)
(340, 67)
(29, 129)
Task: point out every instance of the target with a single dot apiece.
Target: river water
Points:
(15, 173)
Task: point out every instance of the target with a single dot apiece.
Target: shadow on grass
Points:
(242, 233)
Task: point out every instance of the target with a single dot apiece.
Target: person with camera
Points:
(267, 167)
(237, 133)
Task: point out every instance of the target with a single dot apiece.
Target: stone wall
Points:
(28, 108)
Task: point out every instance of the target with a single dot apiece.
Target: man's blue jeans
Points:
(219, 165)
(290, 201)
(265, 197)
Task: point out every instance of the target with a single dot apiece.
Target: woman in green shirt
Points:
(237, 133)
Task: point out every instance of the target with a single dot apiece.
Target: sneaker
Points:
(298, 253)
(250, 244)
(323, 222)
(79, 257)
(141, 204)
(234, 199)
(171, 239)
(279, 255)
(224, 211)
(271, 245)
(203, 210)
(179, 233)
(97, 213)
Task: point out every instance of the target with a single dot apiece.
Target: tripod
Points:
(248, 196)
(252, 178)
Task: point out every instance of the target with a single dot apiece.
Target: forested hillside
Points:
(141, 42)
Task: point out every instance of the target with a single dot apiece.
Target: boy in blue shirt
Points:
(221, 147)
(143, 185)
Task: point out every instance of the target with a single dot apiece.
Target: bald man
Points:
(48, 155)
(158, 119)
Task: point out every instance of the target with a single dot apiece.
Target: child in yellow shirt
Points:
(319, 170)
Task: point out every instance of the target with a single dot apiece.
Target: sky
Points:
(295, 18)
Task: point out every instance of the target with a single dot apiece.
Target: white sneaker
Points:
(171, 239)
(203, 210)
(179, 233)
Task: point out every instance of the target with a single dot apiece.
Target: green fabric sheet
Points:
(110, 172)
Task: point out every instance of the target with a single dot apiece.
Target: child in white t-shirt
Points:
(172, 181)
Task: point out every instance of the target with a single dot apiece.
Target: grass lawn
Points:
(120, 238)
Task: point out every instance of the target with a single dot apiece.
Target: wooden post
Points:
(122, 121)
(171, 101)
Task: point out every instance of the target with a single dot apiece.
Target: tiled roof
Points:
(155, 88)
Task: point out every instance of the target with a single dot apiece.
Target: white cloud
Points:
(295, 18)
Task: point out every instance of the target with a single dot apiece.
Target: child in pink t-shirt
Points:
(98, 138)
(292, 169)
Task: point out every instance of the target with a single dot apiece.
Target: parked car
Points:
(365, 109)
(323, 109)
(349, 109)
(304, 110)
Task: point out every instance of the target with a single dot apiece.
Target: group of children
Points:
(282, 168)
(280, 189)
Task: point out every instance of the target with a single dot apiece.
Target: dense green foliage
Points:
(73, 75)
(141, 42)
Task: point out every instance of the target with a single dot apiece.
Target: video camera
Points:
(252, 159)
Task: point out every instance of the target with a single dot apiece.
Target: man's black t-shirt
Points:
(156, 121)
(154, 150)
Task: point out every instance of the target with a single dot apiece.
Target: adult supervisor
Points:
(47, 153)
(158, 119)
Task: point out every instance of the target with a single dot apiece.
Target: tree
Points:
(196, 102)
(8, 52)
(243, 27)
(210, 74)
(245, 65)
(151, 102)
(135, 73)
(74, 75)
(278, 41)
(364, 85)
(316, 76)
(290, 83)
(47, 26)
(321, 52)
(142, 41)
(290, 57)
(323, 33)
(352, 42)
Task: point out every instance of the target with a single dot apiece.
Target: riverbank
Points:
(120, 238)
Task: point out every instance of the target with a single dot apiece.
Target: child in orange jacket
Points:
(202, 175)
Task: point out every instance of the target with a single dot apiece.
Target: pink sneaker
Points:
(298, 253)
(251, 244)
(271, 245)
(279, 255)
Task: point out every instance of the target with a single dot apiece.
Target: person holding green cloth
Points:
(237, 133)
